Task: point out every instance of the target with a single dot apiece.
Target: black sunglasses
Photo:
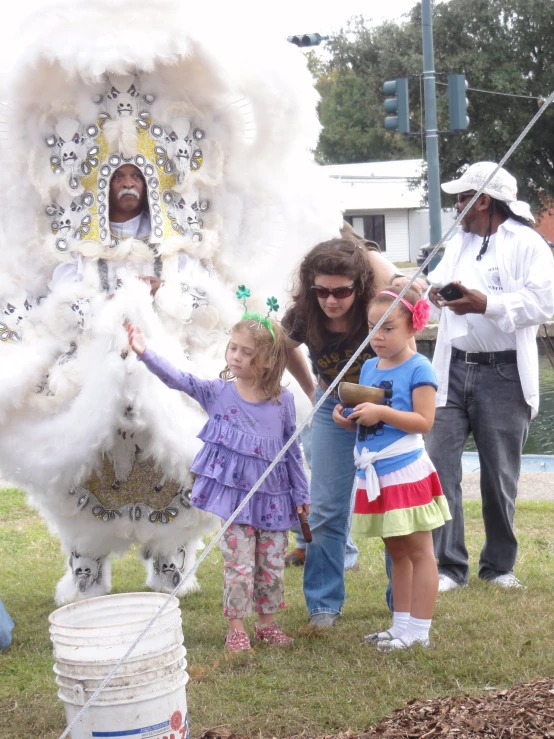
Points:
(463, 196)
(340, 293)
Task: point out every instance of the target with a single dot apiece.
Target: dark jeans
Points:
(487, 401)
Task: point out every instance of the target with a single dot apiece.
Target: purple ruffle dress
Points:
(240, 439)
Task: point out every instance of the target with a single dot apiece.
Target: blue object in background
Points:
(529, 462)
(6, 626)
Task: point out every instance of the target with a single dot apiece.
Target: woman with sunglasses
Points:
(335, 282)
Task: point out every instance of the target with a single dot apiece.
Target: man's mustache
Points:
(128, 191)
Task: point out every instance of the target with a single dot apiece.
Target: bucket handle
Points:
(79, 694)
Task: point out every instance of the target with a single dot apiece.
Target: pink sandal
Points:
(271, 634)
(237, 641)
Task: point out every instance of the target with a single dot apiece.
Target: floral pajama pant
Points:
(254, 565)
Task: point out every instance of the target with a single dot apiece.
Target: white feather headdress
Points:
(221, 131)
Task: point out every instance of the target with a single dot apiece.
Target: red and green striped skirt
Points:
(411, 500)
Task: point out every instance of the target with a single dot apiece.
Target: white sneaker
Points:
(506, 581)
(447, 583)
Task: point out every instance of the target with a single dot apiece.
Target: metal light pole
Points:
(431, 133)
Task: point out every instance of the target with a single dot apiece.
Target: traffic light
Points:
(457, 102)
(308, 39)
(397, 105)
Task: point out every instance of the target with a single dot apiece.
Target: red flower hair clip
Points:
(420, 311)
(420, 314)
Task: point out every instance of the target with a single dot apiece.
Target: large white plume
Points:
(67, 380)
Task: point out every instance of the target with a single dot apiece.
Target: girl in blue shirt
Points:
(399, 496)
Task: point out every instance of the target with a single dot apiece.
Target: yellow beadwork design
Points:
(145, 147)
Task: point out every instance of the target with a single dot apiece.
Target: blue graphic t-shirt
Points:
(398, 383)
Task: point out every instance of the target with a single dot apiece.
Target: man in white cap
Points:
(486, 362)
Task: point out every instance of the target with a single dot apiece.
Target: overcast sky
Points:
(276, 19)
(308, 16)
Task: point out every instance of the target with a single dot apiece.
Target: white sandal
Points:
(377, 637)
(389, 645)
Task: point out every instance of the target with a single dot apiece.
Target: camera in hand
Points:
(451, 292)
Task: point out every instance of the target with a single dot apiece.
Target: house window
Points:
(373, 228)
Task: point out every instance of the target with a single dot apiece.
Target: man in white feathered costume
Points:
(108, 90)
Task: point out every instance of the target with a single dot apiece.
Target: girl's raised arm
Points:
(201, 390)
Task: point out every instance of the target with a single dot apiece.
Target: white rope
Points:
(304, 423)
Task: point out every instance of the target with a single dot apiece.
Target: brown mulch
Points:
(523, 712)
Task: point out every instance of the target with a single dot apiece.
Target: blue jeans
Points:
(330, 518)
(6, 626)
(489, 402)
(351, 553)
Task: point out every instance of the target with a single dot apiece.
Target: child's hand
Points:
(341, 421)
(136, 339)
(303, 509)
(367, 414)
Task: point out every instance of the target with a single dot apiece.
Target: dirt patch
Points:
(523, 712)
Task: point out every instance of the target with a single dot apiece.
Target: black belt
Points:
(490, 358)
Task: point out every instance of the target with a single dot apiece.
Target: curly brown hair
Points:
(334, 257)
(270, 350)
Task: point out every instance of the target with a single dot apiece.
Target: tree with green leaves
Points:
(502, 46)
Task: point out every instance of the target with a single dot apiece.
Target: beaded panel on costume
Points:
(143, 492)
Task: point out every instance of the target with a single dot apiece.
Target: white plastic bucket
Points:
(146, 698)
(102, 629)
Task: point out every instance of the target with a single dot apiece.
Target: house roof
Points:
(370, 186)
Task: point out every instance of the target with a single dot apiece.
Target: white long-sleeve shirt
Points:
(526, 271)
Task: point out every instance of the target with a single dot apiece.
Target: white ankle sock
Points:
(417, 630)
(399, 624)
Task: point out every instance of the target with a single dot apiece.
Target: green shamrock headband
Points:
(243, 293)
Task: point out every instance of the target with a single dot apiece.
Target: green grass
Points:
(483, 638)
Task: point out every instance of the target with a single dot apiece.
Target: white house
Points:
(384, 202)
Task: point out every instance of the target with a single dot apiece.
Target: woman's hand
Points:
(136, 339)
(341, 421)
(367, 414)
(419, 285)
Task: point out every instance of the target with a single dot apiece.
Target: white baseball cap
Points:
(503, 186)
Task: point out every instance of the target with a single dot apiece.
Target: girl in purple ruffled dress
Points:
(250, 419)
